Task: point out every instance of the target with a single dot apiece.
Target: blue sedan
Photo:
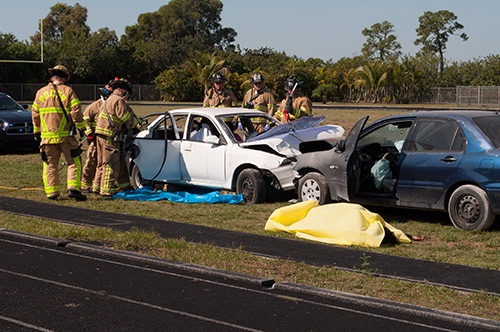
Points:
(16, 127)
(434, 160)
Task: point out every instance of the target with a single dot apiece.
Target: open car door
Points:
(348, 170)
(157, 150)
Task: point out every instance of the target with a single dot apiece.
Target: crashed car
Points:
(445, 161)
(16, 126)
(219, 148)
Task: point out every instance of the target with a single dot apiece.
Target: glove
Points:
(286, 116)
(249, 105)
(90, 138)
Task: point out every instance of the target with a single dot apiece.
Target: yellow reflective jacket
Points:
(224, 98)
(91, 113)
(263, 102)
(302, 106)
(48, 116)
(115, 116)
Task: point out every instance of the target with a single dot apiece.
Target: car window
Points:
(390, 134)
(437, 135)
(164, 129)
(489, 126)
(181, 121)
(9, 104)
(201, 127)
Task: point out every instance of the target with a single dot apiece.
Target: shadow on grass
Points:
(433, 217)
(17, 151)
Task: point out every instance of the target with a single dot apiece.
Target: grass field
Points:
(21, 177)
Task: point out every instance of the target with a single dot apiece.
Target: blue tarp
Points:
(149, 194)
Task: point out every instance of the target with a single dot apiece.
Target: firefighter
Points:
(295, 105)
(90, 115)
(260, 98)
(56, 116)
(115, 120)
(218, 95)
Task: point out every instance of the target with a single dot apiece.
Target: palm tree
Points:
(203, 66)
(372, 78)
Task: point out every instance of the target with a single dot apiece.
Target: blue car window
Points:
(437, 135)
(489, 126)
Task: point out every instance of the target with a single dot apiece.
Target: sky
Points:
(325, 29)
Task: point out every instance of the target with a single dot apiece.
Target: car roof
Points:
(218, 111)
(452, 114)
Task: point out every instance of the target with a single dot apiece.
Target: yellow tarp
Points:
(337, 223)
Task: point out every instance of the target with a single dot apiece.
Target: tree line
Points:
(181, 45)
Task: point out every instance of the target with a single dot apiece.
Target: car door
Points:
(158, 157)
(430, 158)
(203, 153)
(345, 171)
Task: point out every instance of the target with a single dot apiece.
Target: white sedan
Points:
(222, 149)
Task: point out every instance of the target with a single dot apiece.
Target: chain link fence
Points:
(85, 92)
(463, 96)
(467, 96)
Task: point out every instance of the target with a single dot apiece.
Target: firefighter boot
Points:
(77, 195)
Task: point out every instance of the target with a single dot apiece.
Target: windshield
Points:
(299, 124)
(9, 104)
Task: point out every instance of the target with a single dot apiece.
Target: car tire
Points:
(251, 184)
(469, 208)
(314, 186)
(136, 179)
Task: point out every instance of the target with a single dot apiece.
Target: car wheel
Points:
(469, 208)
(137, 180)
(314, 186)
(251, 184)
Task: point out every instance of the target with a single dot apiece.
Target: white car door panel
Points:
(152, 157)
(203, 163)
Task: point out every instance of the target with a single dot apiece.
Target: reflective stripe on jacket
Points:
(48, 116)
(118, 118)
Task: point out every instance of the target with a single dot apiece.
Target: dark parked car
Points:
(435, 160)
(16, 127)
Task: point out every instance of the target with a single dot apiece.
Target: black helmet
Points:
(218, 78)
(290, 83)
(257, 78)
(121, 83)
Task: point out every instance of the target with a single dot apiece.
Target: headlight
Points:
(4, 125)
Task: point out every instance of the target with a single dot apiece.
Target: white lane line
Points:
(340, 308)
(21, 323)
(149, 305)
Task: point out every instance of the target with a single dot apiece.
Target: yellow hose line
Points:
(12, 188)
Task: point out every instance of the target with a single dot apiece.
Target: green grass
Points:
(21, 177)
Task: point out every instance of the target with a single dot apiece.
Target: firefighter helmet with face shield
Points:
(257, 78)
(218, 78)
(290, 83)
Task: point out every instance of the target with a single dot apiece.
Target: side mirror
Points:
(340, 146)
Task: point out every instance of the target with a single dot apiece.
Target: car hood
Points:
(16, 116)
(286, 139)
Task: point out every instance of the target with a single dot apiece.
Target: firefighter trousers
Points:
(90, 166)
(51, 155)
(112, 171)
